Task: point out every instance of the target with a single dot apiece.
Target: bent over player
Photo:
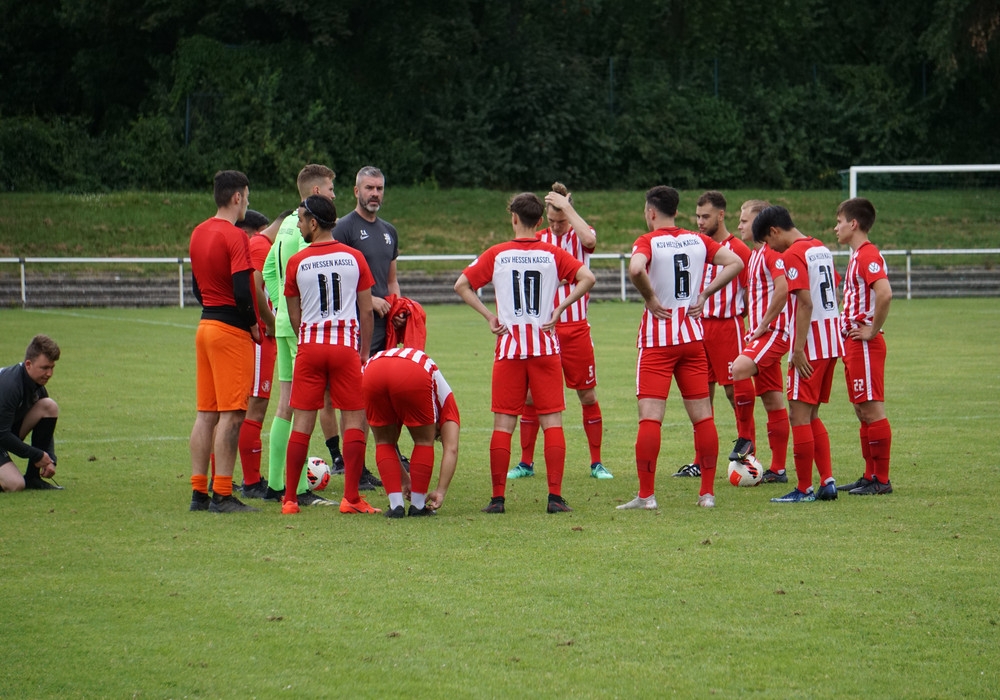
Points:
(525, 273)
(403, 386)
(328, 292)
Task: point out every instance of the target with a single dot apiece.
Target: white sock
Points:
(396, 499)
(418, 500)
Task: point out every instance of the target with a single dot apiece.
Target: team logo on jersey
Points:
(780, 264)
(792, 273)
(388, 239)
(364, 235)
(874, 267)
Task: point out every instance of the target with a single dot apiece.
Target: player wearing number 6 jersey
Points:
(813, 321)
(525, 273)
(667, 267)
(866, 306)
(328, 292)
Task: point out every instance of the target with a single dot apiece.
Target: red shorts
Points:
(686, 363)
(816, 389)
(723, 343)
(224, 369)
(318, 366)
(398, 391)
(767, 352)
(864, 369)
(263, 372)
(576, 350)
(513, 378)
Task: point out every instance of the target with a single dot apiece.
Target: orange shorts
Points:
(686, 363)
(816, 389)
(723, 342)
(576, 350)
(224, 361)
(318, 366)
(398, 391)
(513, 378)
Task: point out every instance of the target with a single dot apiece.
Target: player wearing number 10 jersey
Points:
(813, 322)
(525, 273)
(328, 292)
(667, 267)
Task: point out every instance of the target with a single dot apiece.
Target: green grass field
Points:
(113, 589)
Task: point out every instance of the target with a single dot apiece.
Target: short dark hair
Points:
(253, 221)
(321, 209)
(773, 216)
(528, 207)
(228, 183)
(860, 210)
(713, 197)
(311, 175)
(664, 199)
(42, 345)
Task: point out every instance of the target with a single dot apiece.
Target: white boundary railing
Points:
(621, 257)
(855, 169)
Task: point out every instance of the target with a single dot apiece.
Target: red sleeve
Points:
(239, 251)
(291, 283)
(796, 269)
(711, 247)
(870, 264)
(259, 248)
(365, 278)
(775, 265)
(642, 247)
(480, 271)
(567, 265)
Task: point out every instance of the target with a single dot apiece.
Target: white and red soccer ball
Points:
(746, 472)
(317, 473)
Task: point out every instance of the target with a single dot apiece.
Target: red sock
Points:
(199, 483)
(777, 439)
(250, 449)
(647, 449)
(499, 461)
(880, 446)
(354, 462)
(593, 426)
(743, 397)
(529, 433)
(421, 468)
(706, 442)
(295, 458)
(555, 458)
(387, 463)
(821, 451)
(866, 451)
(803, 451)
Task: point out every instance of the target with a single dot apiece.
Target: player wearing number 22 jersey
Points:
(815, 346)
(526, 274)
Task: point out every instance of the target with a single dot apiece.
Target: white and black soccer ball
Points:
(746, 472)
(318, 473)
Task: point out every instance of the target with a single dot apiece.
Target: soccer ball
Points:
(318, 473)
(747, 472)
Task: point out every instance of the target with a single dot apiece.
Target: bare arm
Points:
(449, 460)
(366, 321)
(464, 289)
(263, 310)
(779, 300)
(803, 318)
(584, 283)
(640, 280)
(731, 266)
(883, 297)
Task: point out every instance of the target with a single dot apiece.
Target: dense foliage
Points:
(110, 94)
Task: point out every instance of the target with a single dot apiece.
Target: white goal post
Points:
(855, 169)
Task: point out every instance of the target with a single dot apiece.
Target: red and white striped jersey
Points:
(676, 261)
(864, 269)
(570, 242)
(765, 266)
(728, 302)
(327, 277)
(525, 274)
(809, 265)
(445, 408)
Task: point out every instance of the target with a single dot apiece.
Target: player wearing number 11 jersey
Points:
(525, 273)
(813, 322)
(328, 292)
